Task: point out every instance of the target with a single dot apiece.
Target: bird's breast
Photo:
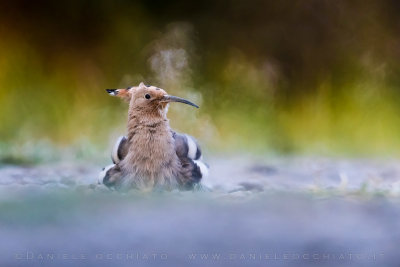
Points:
(152, 152)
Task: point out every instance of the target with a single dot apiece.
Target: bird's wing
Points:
(186, 146)
(120, 149)
(189, 152)
(110, 176)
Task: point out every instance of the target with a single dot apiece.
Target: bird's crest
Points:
(147, 95)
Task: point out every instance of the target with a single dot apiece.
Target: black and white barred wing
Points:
(189, 151)
(120, 149)
(118, 153)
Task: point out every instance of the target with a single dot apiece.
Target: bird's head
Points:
(147, 97)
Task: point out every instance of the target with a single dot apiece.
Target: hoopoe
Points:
(152, 155)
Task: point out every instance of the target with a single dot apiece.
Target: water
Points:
(262, 212)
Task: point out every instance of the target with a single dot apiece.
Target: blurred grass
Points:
(290, 78)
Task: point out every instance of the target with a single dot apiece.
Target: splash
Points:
(171, 56)
(171, 60)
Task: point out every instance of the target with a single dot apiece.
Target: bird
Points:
(152, 156)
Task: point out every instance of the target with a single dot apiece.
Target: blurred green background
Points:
(299, 77)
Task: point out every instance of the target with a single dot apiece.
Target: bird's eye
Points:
(147, 96)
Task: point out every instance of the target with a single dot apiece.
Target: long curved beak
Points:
(171, 98)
